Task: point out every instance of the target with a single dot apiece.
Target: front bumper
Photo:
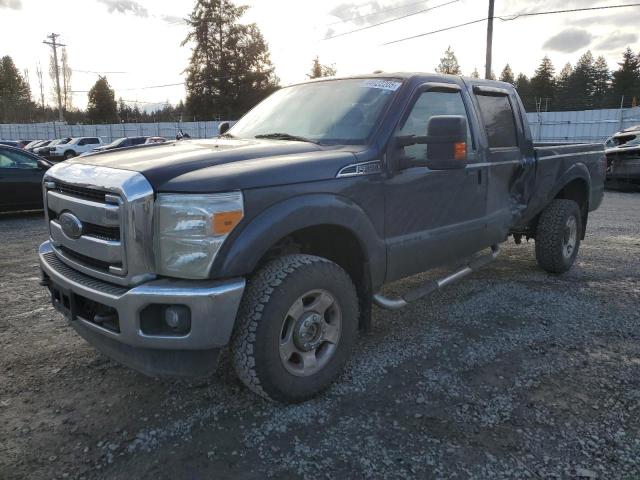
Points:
(212, 304)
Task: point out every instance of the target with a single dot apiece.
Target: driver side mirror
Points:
(223, 128)
(44, 165)
(446, 142)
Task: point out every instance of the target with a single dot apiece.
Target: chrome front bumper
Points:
(213, 306)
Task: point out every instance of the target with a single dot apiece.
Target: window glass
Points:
(92, 141)
(16, 160)
(498, 119)
(430, 104)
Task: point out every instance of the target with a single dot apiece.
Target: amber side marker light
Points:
(224, 222)
(460, 150)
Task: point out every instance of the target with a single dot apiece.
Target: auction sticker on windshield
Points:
(382, 84)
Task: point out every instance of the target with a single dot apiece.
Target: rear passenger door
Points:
(503, 129)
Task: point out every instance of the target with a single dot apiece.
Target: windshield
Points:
(333, 112)
(115, 143)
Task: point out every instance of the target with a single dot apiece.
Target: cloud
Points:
(173, 20)
(569, 40)
(616, 41)
(12, 4)
(125, 6)
(624, 17)
(368, 13)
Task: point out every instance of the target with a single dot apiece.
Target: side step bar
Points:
(433, 285)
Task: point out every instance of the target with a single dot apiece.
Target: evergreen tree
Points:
(543, 83)
(102, 107)
(581, 83)
(507, 75)
(318, 70)
(230, 69)
(475, 73)
(602, 84)
(523, 87)
(626, 79)
(563, 94)
(449, 64)
(15, 95)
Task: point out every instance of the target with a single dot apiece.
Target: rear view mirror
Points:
(43, 164)
(223, 128)
(446, 142)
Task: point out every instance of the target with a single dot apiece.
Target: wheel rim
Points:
(570, 237)
(310, 333)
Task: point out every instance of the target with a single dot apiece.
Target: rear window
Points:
(498, 119)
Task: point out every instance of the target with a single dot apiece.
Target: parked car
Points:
(151, 140)
(20, 179)
(119, 143)
(623, 156)
(11, 143)
(46, 149)
(73, 148)
(36, 144)
(277, 237)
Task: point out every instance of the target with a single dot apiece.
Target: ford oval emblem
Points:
(71, 225)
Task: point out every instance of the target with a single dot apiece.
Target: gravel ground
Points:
(511, 373)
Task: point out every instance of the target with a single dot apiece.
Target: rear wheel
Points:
(558, 236)
(69, 154)
(296, 327)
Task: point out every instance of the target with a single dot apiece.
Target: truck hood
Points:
(197, 166)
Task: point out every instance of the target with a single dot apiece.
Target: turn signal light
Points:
(460, 150)
(224, 222)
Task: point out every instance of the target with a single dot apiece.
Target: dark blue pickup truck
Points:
(275, 238)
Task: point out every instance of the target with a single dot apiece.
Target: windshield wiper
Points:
(285, 136)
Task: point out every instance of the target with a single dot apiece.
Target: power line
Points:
(519, 15)
(391, 20)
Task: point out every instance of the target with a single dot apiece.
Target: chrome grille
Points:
(111, 213)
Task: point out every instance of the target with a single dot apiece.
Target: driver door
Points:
(433, 216)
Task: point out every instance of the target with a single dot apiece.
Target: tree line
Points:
(589, 84)
(230, 70)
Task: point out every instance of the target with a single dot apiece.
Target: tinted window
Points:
(138, 140)
(92, 141)
(430, 104)
(10, 159)
(498, 119)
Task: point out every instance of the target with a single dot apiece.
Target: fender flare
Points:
(243, 250)
(577, 171)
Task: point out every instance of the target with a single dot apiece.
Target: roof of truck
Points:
(410, 75)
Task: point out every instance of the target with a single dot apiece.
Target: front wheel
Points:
(296, 327)
(558, 235)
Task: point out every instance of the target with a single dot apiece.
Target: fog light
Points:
(178, 318)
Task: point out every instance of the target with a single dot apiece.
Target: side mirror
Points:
(223, 128)
(447, 142)
(44, 165)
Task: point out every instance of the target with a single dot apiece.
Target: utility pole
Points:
(487, 70)
(55, 46)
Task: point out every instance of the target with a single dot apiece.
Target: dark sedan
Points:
(20, 179)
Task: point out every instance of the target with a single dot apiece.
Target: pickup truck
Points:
(275, 238)
(73, 148)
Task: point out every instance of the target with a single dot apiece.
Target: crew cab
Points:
(73, 148)
(275, 238)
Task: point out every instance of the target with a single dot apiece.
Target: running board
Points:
(433, 285)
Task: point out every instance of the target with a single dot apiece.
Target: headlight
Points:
(190, 229)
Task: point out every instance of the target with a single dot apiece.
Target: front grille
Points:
(92, 262)
(93, 230)
(80, 192)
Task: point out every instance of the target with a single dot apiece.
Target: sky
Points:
(137, 43)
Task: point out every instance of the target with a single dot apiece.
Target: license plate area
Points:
(64, 301)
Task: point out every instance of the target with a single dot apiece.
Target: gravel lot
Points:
(512, 373)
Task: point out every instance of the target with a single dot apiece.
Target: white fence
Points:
(582, 126)
(579, 127)
(33, 131)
